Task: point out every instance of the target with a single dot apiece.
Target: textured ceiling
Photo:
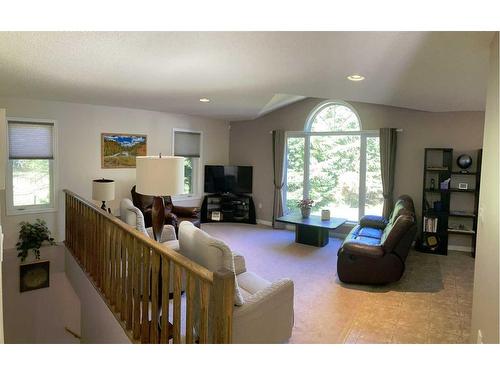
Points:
(241, 72)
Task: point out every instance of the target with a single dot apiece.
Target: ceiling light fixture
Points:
(205, 100)
(355, 77)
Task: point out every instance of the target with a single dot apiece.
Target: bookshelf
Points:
(445, 189)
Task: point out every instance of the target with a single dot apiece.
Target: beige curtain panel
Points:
(279, 175)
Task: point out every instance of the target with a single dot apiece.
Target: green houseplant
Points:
(32, 237)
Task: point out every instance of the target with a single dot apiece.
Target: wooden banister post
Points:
(223, 306)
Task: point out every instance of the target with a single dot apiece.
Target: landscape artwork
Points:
(120, 150)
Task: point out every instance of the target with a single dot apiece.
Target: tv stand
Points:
(228, 208)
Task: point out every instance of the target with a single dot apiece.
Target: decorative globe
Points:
(464, 161)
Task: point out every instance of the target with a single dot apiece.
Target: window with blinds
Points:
(188, 144)
(31, 165)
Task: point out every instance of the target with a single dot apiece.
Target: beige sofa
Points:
(134, 217)
(263, 311)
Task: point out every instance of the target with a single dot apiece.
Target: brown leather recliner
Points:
(374, 252)
(173, 214)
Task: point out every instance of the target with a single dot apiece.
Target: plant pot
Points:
(306, 212)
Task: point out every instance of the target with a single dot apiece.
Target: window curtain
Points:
(279, 175)
(388, 143)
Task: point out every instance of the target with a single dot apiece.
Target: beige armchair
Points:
(263, 312)
(134, 217)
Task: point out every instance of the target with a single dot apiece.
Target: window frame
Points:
(307, 134)
(197, 167)
(12, 210)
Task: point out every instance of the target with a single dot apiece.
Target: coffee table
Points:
(311, 231)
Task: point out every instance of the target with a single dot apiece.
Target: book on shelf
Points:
(430, 224)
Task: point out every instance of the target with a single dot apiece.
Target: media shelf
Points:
(228, 208)
(439, 199)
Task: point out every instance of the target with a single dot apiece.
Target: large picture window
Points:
(30, 175)
(335, 163)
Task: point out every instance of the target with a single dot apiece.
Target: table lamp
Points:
(103, 190)
(158, 176)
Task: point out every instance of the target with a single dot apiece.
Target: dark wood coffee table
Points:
(311, 231)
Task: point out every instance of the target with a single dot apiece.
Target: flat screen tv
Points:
(228, 179)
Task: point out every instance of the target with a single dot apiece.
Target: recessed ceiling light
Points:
(355, 77)
(205, 100)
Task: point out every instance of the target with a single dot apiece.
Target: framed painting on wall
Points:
(34, 276)
(120, 150)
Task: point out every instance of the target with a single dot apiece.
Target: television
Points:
(221, 179)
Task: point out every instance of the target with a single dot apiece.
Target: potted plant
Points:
(32, 237)
(305, 207)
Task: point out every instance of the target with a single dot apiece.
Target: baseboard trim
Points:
(264, 222)
(465, 249)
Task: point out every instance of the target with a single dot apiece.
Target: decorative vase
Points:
(306, 211)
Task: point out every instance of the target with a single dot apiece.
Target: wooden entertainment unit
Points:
(228, 208)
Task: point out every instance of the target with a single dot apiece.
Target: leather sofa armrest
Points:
(353, 247)
(373, 221)
(186, 211)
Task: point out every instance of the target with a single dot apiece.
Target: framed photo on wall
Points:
(34, 276)
(120, 150)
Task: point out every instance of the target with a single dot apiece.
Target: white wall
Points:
(485, 306)
(2, 187)
(98, 324)
(79, 160)
(39, 316)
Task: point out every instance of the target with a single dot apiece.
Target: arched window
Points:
(333, 117)
(335, 163)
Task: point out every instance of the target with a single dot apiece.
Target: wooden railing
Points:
(133, 273)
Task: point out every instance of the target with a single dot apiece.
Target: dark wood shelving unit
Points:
(228, 208)
(453, 190)
(459, 231)
(438, 165)
(462, 214)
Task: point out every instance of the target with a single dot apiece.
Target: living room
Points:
(379, 147)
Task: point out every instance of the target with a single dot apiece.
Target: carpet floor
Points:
(432, 303)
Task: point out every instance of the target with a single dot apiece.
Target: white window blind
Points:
(187, 144)
(31, 140)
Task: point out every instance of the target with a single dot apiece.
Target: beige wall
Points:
(3, 143)
(250, 143)
(98, 324)
(79, 129)
(485, 307)
(2, 187)
(39, 316)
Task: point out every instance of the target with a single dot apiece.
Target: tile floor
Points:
(431, 304)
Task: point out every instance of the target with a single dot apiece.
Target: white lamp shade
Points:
(103, 190)
(159, 176)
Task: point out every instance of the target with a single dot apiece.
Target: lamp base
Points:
(158, 217)
(107, 209)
